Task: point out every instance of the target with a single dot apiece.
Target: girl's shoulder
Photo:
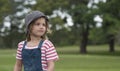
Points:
(48, 43)
(20, 44)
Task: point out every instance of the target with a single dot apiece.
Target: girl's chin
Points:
(37, 35)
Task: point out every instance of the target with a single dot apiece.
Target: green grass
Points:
(97, 59)
(88, 63)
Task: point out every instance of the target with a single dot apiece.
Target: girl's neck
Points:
(35, 39)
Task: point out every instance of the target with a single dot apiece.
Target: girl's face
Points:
(39, 27)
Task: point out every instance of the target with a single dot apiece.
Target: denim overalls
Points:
(32, 58)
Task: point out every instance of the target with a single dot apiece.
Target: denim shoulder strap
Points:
(24, 44)
(40, 44)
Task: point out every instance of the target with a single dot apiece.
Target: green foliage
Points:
(12, 35)
(5, 9)
(97, 36)
(109, 12)
(110, 15)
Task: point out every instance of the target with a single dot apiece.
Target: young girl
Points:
(36, 53)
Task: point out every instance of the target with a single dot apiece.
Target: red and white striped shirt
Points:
(48, 53)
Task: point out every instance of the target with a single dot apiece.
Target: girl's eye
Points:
(37, 24)
(44, 24)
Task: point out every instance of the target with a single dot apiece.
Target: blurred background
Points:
(85, 33)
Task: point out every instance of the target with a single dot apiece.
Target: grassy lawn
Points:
(97, 59)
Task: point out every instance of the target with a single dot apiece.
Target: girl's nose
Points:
(41, 26)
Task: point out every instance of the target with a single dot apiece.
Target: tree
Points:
(83, 21)
(13, 13)
(109, 11)
(5, 9)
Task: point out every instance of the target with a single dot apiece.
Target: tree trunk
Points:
(84, 40)
(111, 43)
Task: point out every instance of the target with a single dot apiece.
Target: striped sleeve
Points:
(51, 53)
(19, 50)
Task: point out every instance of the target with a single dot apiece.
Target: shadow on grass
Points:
(116, 53)
(101, 53)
